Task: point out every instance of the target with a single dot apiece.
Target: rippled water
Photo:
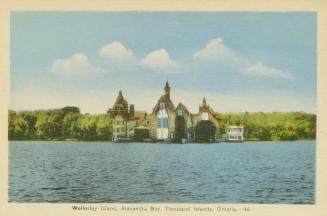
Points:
(249, 172)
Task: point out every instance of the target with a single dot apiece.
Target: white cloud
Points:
(77, 64)
(115, 51)
(214, 50)
(262, 70)
(159, 60)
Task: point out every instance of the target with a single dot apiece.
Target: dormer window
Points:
(162, 105)
(180, 112)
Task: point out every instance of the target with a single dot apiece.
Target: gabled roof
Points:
(166, 99)
(205, 107)
(183, 107)
(217, 116)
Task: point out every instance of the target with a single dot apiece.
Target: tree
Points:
(49, 126)
(71, 109)
(11, 124)
(88, 126)
(20, 127)
(68, 124)
(103, 128)
(30, 118)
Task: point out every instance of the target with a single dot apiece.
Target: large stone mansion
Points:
(161, 122)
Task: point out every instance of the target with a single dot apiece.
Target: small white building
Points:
(235, 133)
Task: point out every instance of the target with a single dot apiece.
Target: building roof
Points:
(164, 98)
(120, 107)
(206, 108)
(183, 107)
(139, 115)
(120, 99)
(218, 115)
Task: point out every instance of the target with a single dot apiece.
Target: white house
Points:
(235, 133)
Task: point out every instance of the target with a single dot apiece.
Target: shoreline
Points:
(161, 142)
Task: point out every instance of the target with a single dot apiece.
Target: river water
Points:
(249, 172)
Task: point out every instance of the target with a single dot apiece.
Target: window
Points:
(180, 112)
(162, 123)
(165, 122)
(162, 105)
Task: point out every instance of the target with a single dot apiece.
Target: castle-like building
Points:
(165, 122)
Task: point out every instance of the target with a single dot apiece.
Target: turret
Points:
(204, 102)
(167, 90)
(204, 106)
(120, 107)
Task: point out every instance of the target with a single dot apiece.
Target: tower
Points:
(119, 114)
(204, 102)
(167, 89)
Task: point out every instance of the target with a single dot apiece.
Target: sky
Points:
(239, 61)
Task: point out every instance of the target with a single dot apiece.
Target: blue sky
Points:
(240, 61)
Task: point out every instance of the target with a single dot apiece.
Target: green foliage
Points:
(48, 125)
(69, 127)
(71, 109)
(58, 124)
(180, 129)
(205, 132)
(69, 123)
(11, 124)
(273, 126)
(21, 127)
(104, 130)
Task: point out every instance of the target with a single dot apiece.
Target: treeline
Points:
(273, 126)
(58, 124)
(69, 123)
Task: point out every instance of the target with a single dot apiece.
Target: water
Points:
(249, 172)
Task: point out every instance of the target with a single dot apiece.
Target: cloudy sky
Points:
(239, 61)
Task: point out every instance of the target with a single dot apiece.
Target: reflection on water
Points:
(250, 172)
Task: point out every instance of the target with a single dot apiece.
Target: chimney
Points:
(131, 110)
